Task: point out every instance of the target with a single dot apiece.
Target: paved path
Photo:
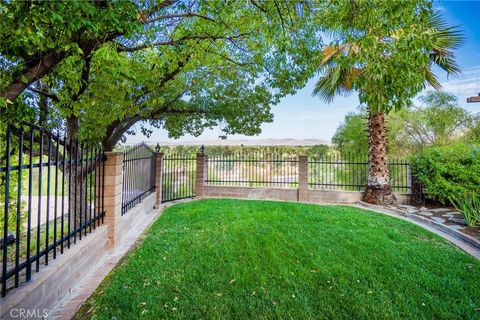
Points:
(43, 204)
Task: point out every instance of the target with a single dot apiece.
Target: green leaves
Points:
(392, 44)
(183, 68)
(447, 171)
(469, 205)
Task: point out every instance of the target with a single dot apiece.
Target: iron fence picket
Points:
(350, 172)
(258, 169)
(138, 175)
(27, 243)
(178, 177)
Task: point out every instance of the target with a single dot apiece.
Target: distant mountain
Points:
(246, 142)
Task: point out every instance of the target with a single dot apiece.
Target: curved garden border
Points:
(467, 243)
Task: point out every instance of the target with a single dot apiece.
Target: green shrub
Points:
(469, 206)
(450, 171)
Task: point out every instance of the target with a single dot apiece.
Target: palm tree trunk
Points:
(378, 190)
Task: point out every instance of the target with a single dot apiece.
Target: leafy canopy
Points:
(448, 171)
(385, 50)
(184, 67)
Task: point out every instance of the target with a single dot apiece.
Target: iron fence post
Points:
(158, 179)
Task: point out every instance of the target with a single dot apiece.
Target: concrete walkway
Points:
(43, 203)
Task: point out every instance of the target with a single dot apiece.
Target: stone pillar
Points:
(158, 179)
(302, 179)
(113, 183)
(200, 175)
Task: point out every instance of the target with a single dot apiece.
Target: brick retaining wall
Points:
(314, 196)
(55, 281)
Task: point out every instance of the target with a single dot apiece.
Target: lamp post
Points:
(474, 99)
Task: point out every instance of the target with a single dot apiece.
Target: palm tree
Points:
(338, 79)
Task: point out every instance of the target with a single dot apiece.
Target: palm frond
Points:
(431, 79)
(452, 34)
(335, 81)
(445, 39)
(445, 61)
(328, 53)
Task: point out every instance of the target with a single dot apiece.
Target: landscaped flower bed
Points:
(258, 259)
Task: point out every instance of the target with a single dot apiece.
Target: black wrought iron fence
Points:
(178, 177)
(52, 192)
(252, 170)
(418, 196)
(350, 172)
(138, 175)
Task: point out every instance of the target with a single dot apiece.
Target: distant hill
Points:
(246, 142)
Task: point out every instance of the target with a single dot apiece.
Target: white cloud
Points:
(471, 71)
(465, 85)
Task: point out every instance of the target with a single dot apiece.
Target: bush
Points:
(448, 172)
(469, 206)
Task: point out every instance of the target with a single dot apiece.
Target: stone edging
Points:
(465, 242)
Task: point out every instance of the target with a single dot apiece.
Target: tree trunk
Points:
(42, 106)
(72, 127)
(378, 190)
(78, 186)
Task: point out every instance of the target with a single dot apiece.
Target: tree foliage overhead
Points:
(385, 52)
(180, 65)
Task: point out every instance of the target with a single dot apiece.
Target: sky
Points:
(302, 116)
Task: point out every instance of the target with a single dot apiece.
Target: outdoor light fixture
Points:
(474, 99)
(202, 149)
(157, 148)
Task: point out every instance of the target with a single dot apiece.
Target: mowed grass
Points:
(234, 259)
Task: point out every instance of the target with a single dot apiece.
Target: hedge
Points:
(448, 171)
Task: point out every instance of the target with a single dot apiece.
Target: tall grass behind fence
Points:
(51, 191)
(350, 172)
(252, 170)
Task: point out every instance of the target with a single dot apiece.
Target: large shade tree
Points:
(96, 68)
(93, 69)
(385, 52)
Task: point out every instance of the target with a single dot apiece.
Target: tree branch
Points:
(241, 64)
(34, 70)
(158, 7)
(117, 129)
(84, 78)
(258, 6)
(174, 42)
(50, 95)
(179, 15)
(167, 77)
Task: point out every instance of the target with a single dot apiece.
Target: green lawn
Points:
(227, 259)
